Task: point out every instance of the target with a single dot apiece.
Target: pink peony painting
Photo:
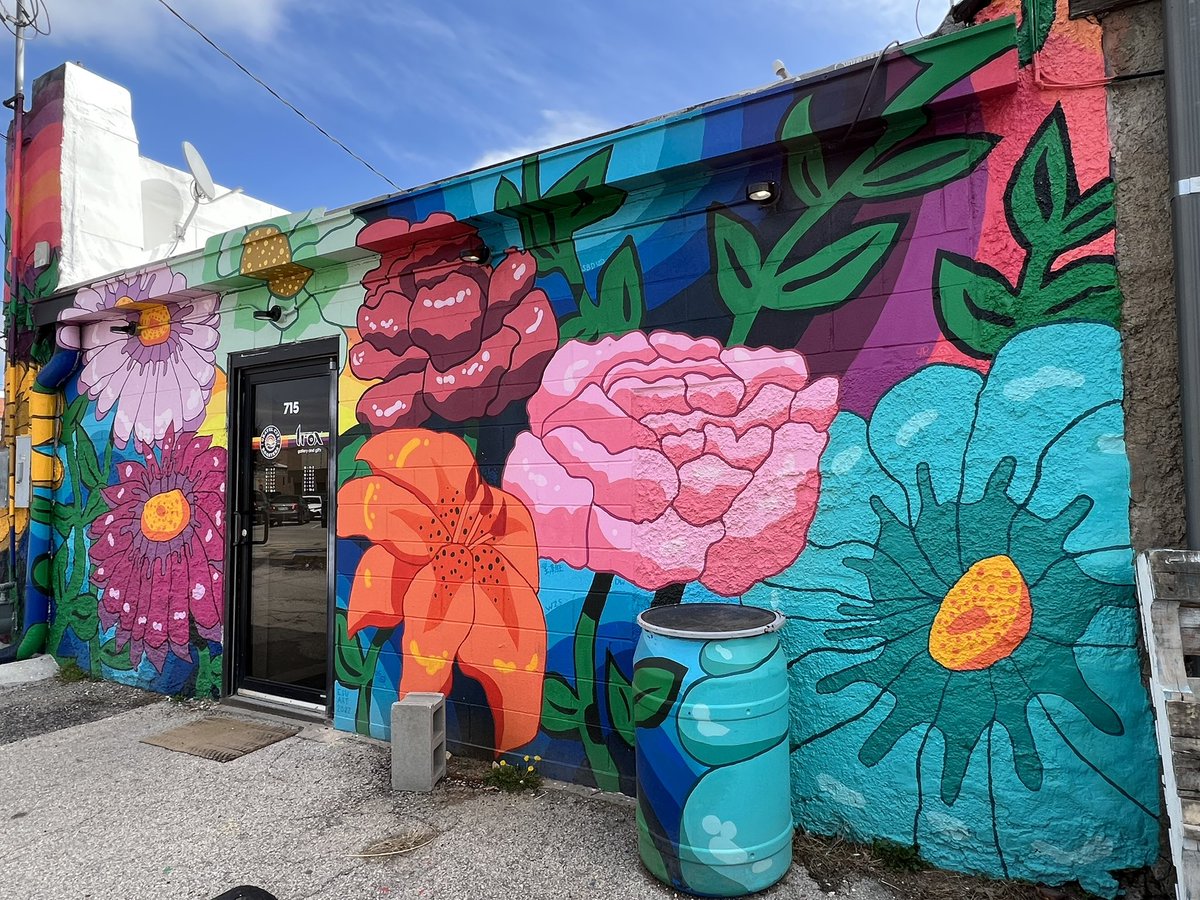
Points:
(667, 459)
(160, 377)
(443, 335)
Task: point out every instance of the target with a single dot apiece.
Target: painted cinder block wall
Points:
(888, 405)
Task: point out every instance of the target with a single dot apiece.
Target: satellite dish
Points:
(202, 183)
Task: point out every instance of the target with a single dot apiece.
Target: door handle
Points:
(247, 529)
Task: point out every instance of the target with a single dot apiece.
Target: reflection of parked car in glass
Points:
(288, 508)
(260, 507)
(316, 506)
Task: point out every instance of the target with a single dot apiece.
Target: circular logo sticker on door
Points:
(270, 442)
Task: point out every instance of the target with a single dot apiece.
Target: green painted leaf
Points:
(1040, 186)
(836, 273)
(797, 123)
(80, 614)
(1086, 289)
(46, 282)
(41, 509)
(73, 413)
(589, 173)
(622, 301)
(562, 712)
(806, 175)
(550, 220)
(805, 161)
(974, 302)
(1037, 19)
(91, 474)
(656, 683)
(737, 259)
(574, 328)
(115, 658)
(945, 62)
(33, 642)
(506, 195)
(42, 574)
(208, 674)
(348, 466)
(1092, 216)
(925, 166)
(620, 700)
(348, 661)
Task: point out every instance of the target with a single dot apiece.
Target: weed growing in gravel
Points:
(523, 777)
(901, 857)
(69, 673)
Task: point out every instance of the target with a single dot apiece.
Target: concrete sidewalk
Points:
(89, 812)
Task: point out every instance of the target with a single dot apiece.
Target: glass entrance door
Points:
(282, 506)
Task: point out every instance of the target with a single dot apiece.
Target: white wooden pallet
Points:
(1168, 586)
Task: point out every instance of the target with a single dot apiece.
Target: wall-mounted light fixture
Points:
(129, 329)
(476, 254)
(270, 314)
(762, 191)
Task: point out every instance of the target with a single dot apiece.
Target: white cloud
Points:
(558, 127)
(130, 23)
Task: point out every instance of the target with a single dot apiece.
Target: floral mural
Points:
(160, 549)
(453, 560)
(968, 583)
(649, 456)
(443, 335)
(160, 376)
(886, 403)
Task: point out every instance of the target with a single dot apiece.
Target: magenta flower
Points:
(159, 552)
(445, 336)
(665, 459)
(162, 376)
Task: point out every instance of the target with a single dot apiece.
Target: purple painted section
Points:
(891, 330)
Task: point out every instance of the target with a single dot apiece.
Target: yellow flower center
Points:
(154, 325)
(165, 515)
(983, 618)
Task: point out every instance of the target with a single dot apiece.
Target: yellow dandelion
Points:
(504, 762)
(530, 769)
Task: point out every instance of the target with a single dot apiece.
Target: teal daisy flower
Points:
(963, 626)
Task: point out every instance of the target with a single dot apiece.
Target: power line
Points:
(270, 90)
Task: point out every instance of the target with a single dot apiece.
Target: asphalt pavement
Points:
(86, 811)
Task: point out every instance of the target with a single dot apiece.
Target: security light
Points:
(761, 191)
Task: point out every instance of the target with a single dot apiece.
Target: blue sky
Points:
(426, 90)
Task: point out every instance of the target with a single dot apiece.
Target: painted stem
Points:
(362, 713)
(671, 595)
(741, 329)
(841, 190)
(604, 767)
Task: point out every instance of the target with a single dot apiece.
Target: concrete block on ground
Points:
(418, 741)
(27, 670)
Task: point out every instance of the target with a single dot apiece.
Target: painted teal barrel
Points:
(710, 695)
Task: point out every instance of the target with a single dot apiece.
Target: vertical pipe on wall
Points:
(1181, 37)
(14, 260)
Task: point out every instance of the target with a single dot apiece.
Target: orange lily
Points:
(456, 560)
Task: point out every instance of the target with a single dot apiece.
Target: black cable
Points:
(1134, 76)
(270, 90)
(39, 10)
(866, 91)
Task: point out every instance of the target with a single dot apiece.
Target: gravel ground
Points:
(89, 812)
(31, 709)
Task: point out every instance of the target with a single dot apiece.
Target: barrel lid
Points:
(710, 621)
